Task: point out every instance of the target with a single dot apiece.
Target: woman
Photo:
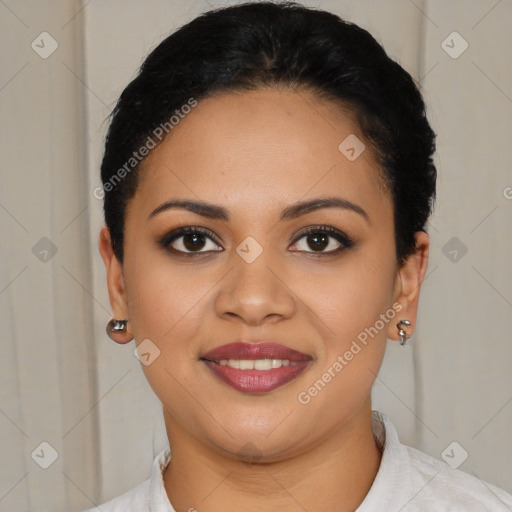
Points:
(267, 179)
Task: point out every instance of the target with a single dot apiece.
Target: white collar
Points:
(158, 500)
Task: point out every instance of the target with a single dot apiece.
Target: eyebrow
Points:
(217, 212)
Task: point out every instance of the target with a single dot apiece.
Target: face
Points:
(321, 281)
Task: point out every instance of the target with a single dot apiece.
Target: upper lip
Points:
(253, 351)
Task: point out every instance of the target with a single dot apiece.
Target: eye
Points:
(189, 240)
(195, 240)
(324, 237)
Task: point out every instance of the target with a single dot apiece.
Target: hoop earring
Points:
(403, 335)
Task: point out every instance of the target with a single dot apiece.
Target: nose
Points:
(255, 293)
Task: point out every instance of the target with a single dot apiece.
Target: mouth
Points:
(255, 368)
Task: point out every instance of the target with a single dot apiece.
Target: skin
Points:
(255, 153)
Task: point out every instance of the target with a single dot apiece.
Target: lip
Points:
(253, 351)
(255, 381)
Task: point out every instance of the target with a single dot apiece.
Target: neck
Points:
(336, 474)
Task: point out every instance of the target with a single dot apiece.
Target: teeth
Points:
(257, 364)
(243, 364)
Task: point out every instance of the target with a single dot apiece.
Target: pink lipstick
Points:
(255, 368)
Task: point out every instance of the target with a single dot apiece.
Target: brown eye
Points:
(189, 240)
(322, 238)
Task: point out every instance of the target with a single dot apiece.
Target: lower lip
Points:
(256, 381)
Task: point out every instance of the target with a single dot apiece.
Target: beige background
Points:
(65, 383)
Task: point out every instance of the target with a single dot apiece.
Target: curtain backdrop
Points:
(78, 422)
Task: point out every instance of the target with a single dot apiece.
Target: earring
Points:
(117, 329)
(403, 335)
(116, 325)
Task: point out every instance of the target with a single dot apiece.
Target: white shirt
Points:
(408, 480)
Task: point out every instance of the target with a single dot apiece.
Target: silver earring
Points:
(117, 325)
(401, 332)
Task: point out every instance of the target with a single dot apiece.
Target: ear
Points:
(116, 285)
(408, 283)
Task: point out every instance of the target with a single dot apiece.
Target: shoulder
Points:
(438, 484)
(149, 495)
(134, 500)
(412, 481)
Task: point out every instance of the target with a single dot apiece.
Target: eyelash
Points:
(345, 241)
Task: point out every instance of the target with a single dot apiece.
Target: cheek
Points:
(350, 297)
(164, 297)
(354, 311)
(166, 309)
(166, 305)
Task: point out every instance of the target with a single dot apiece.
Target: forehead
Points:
(261, 149)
